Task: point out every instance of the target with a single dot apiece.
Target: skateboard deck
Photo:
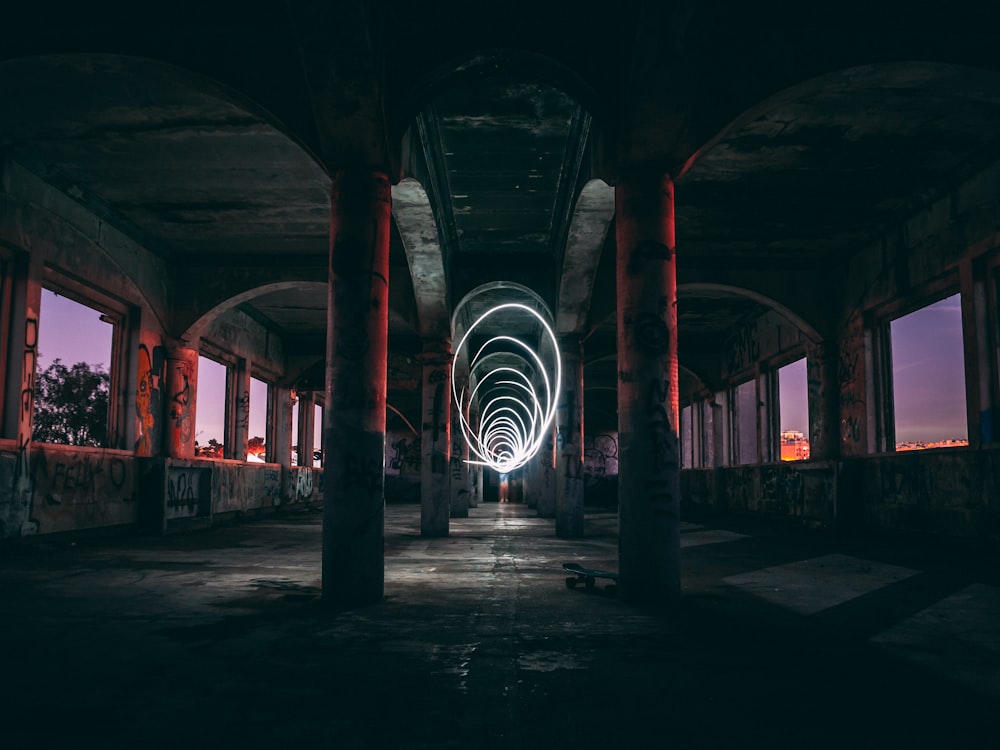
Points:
(586, 576)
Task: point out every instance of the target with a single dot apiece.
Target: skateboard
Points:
(586, 576)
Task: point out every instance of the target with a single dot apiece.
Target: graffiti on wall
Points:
(600, 457)
(850, 378)
(15, 508)
(743, 348)
(402, 455)
(147, 399)
(181, 401)
(72, 489)
(187, 495)
(303, 484)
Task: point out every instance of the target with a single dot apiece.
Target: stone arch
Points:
(808, 329)
(202, 323)
(506, 63)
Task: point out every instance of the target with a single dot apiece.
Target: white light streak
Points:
(514, 416)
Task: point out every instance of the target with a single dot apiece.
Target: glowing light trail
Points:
(514, 416)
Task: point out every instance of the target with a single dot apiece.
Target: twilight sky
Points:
(928, 373)
(927, 361)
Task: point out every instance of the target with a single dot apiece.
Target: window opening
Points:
(317, 436)
(928, 377)
(257, 422)
(210, 408)
(73, 372)
(295, 429)
(793, 411)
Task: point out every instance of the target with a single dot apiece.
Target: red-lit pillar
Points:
(354, 417)
(648, 414)
(569, 455)
(19, 415)
(435, 439)
(182, 384)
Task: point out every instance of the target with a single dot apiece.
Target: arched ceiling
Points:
(796, 138)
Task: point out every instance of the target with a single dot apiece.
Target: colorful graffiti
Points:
(147, 400)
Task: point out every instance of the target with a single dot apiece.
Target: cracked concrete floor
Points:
(217, 639)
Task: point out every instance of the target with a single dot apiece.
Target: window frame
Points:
(790, 357)
(270, 426)
(113, 311)
(881, 413)
(7, 261)
(229, 361)
(735, 427)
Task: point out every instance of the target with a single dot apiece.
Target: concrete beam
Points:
(411, 208)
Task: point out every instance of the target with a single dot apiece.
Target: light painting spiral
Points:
(516, 404)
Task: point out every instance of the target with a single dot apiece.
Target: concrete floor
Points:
(783, 639)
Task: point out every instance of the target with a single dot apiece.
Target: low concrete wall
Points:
(805, 490)
(952, 493)
(303, 484)
(49, 489)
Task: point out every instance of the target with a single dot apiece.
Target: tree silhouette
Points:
(71, 404)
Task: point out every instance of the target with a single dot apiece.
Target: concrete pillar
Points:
(281, 434)
(237, 447)
(354, 417)
(182, 383)
(547, 476)
(477, 485)
(648, 414)
(530, 478)
(981, 412)
(460, 485)
(150, 391)
(569, 469)
(306, 427)
(435, 439)
(19, 415)
(824, 399)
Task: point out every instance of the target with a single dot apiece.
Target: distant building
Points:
(794, 446)
(919, 445)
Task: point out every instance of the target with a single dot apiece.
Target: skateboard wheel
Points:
(571, 583)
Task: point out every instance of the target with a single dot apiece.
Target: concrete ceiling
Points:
(210, 137)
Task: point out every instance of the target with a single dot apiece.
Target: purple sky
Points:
(71, 332)
(927, 361)
(793, 397)
(928, 373)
